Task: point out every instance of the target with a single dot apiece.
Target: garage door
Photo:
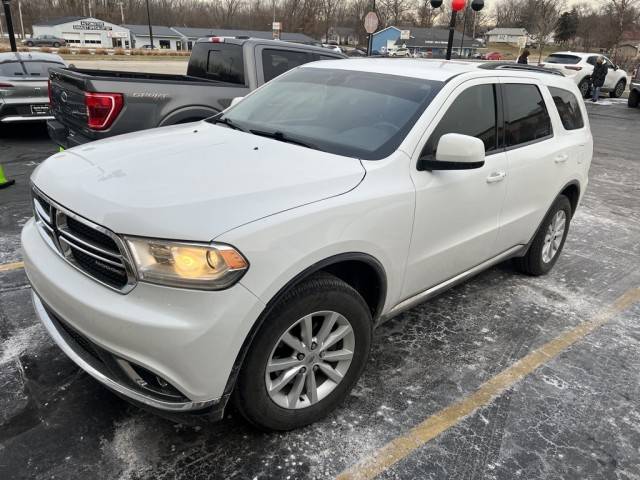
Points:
(92, 39)
(72, 38)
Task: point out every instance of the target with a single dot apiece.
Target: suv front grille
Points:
(92, 249)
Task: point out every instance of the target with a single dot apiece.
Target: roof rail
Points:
(519, 66)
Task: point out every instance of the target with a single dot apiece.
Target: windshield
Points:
(356, 114)
(563, 59)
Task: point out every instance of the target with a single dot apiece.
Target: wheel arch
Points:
(183, 115)
(571, 190)
(345, 266)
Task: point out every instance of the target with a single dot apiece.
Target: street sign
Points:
(405, 34)
(276, 26)
(522, 42)
(370, 22)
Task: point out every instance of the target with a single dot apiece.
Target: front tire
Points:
(29, 44)
(634, 99)
(56, 45)
(618, 90)
(545, 249)
(306, 357)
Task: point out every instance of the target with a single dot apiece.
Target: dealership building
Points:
(85, 32)
(94, 33)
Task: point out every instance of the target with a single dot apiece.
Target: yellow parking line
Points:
(402, 446)
(7, 267)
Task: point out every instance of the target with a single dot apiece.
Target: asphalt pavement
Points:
(575, 414)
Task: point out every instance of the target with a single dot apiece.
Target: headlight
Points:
(189, 265)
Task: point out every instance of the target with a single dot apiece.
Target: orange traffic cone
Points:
(4, 183)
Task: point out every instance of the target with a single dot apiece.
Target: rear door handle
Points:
(561, 158)
(496, 177)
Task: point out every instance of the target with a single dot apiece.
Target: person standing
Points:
(523, 58)
(598, 77)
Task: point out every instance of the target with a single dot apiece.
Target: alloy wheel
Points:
(310, 360)
(553, 237)
(619, 89)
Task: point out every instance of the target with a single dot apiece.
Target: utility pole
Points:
(90, 13)
(149, 22)
(7, 17)
(121, 11)
(21, 22)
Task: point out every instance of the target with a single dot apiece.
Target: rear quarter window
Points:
(568, 108)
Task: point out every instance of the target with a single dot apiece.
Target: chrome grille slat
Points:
(69, 236)
(113, 269)
(93, 255)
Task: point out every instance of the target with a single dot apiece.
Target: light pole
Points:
(7, 17)
(149, 22)
(456, 6)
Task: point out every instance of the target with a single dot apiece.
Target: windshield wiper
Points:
(228, 123)
(281, 137)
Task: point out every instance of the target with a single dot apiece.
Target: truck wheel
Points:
(306, 357)
(548, 242)
(634, 98)
(585, 87)
(619, 90)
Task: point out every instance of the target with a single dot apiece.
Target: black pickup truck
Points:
(90, 105)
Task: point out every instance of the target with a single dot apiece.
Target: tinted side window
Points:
(276, 62)
(472, 113)
(592, 61)
(568, 108)
(40, 69)
(11, 69)
(219, 61)
(525, 114)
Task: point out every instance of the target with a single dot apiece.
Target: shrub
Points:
(118, 51)
(83, 51)
(4, 48)
(101, 51)
(23, 49)
(45, 50)
(64, 51)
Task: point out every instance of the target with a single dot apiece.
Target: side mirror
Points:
(235, 101)
(455, 152)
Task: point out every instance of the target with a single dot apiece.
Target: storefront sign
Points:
(90, 25)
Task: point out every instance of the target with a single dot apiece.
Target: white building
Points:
(507, 35)
(164, 38)
(84, 32)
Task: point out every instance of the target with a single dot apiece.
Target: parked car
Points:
(23, 86)
(579, 67)
(148, 47)
(634, 89)
(332, 47)
(94, 104)
(356, 52)
(44, 41)
(400, 52)
(493, 56)
(251, 255)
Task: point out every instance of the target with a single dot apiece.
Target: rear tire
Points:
(263, 396)
(618, 90)
(56, 45)
(29, 44)
(549, 240)
(585, 87)
(634, 99)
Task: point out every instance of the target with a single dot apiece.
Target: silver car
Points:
(24, 86)
(45, 40)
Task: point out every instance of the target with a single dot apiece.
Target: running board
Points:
(437, 289)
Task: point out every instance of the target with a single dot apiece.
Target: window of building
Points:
(276, 62)
(472, 113)
(526, 117)
(568, 108)
(165, 44)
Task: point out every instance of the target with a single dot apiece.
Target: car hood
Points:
(191, 182)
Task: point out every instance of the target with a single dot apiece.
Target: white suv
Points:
(251, 255)
(579, 67)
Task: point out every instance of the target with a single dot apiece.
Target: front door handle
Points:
(496, 177)
(561, 158)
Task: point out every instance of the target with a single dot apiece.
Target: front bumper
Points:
(189, 339)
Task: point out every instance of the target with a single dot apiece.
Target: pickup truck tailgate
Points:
(67, 100)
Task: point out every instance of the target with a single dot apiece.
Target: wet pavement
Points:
(578, 416)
